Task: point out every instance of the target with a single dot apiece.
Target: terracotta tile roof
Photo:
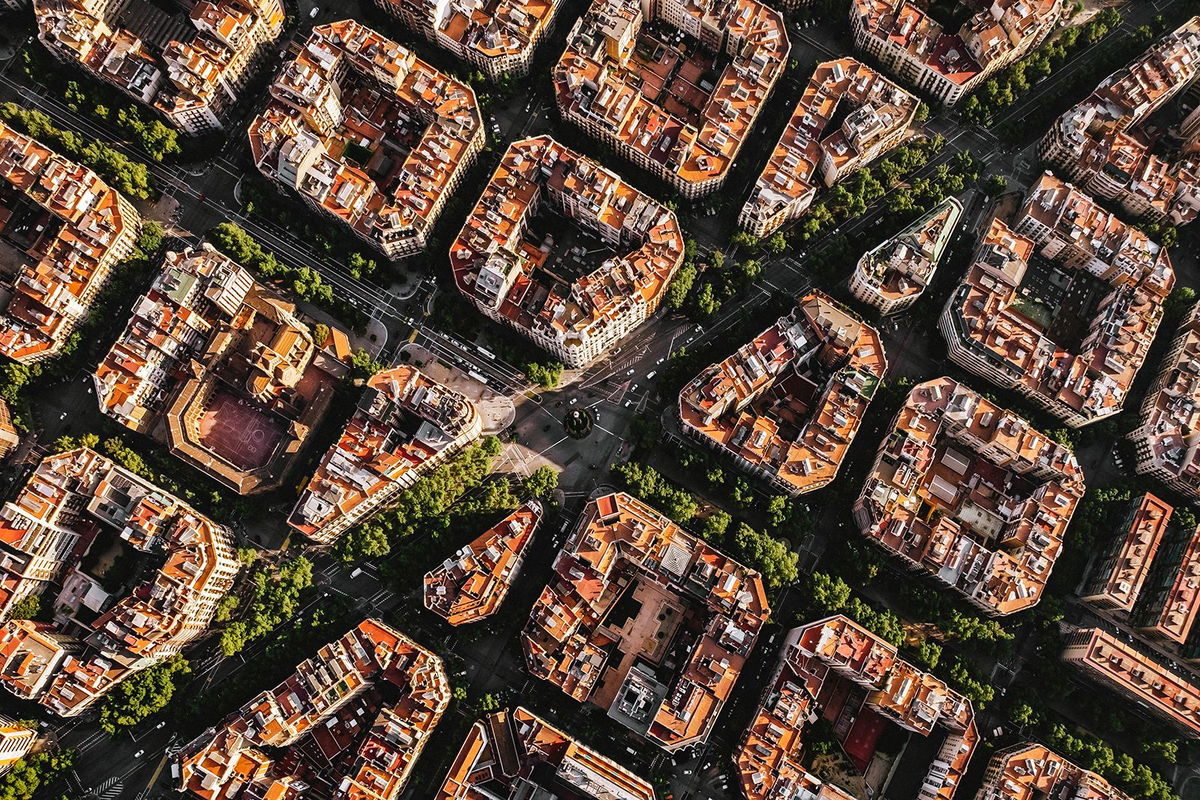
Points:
(496, 29)
(208, 347)
(368, 133)
(232, 763)
(872, 115)
(1030, 771)
(1099, 142)
(67, 501)
(74, 228)
(502, 272)
(1134, 675)
(815, 657)
(471, 584)
(788, 404)
(505, 753)
(1120, 571)
(200, 73)
(621, 542)
(970, 493)
(993, 331)
(903, 34)
(405, 425)
(637, 93)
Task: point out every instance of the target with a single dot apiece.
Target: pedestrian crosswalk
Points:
(111, 789)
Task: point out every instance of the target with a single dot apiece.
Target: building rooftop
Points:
(471, 584)
(1170, 603)
(1118, 666)
(1117, 576)
(514, 754)
(1104, 142)
(330, 700)
(173, 76)
(72, 500)
(1031, 771)
(368, 133)
(902, 266)
(815, 659)
(405, 424)
(970, 493)
(1168, 436)
(995, 34)
(223, 370)
(679, 91)
(847, 113)
(788, 404)
(1064, 305)
(507, 272)
(625, 583)
(499, 30)
(63, 230)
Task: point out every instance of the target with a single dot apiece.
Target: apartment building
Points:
(646, 621)
(77, 503)
(847, 116)
(786, 406)
(1137, 678)
(674, 86)
(470, 585)
(1062, 306)
(192, 82)
(16, 739)
(369, 135)
(1120, 569)
(969, 494)
(367, 701)
(946, 65)
(1030, 771)
(893, 275)
(1168, 430)
(405, 425)
(514, 274)
(513, 754)
(1169, 602)
(223, 371)
(498, 37)
(1105, 143)
(67, 229)
(836, 670)
(9, 438)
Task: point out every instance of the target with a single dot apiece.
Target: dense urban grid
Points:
(610, 400)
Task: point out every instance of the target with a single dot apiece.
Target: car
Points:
(661, 360)
(633, 388)
(313, 14)
(631, 372)
(139, 754)
(159, 725)
(651, 374)
(628, 403)
(574, 400)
